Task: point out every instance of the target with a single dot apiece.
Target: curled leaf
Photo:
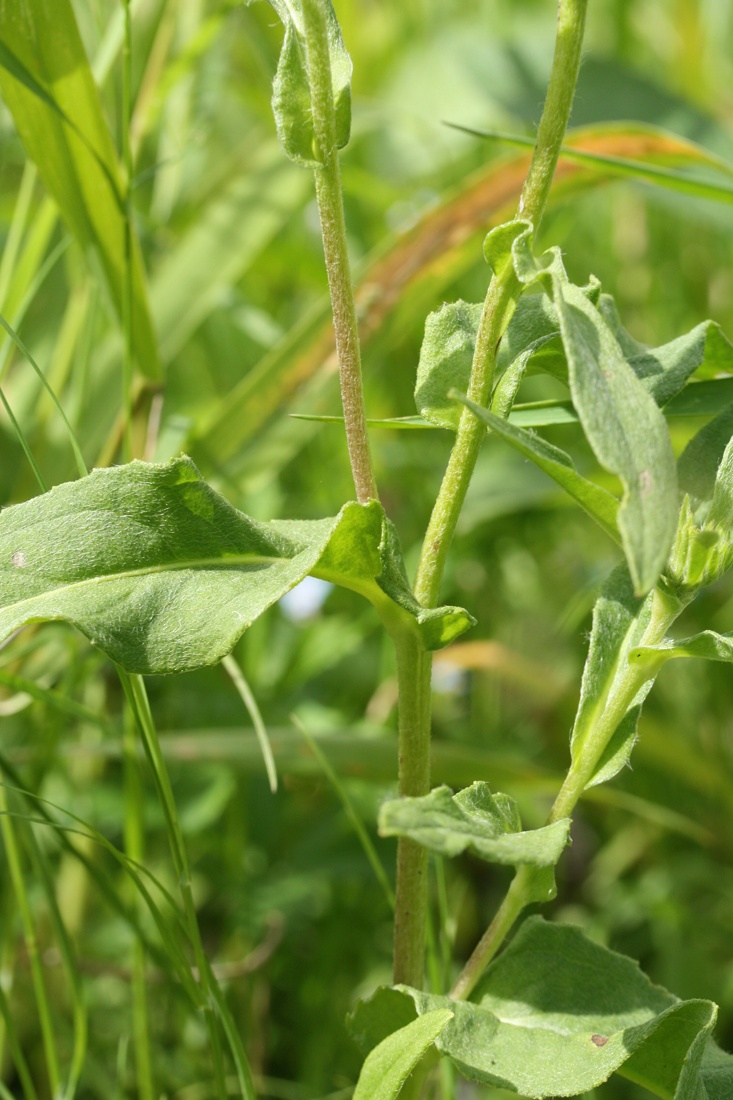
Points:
(473, 820)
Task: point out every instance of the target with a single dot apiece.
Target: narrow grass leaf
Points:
(364, 839)
(674, 180)
(597, 502)
(236, 675)
(49, 89)
(389, 1065)
(473, 820)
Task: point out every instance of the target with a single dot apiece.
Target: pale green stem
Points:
(501, 299)
(134, 837)
(628, 680)
(333, 231)
(499, 305)
(411, 894)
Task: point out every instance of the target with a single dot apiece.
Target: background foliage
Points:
(292, 914)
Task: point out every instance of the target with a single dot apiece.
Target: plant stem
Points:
(499, 305)
(411, 895)
(501, 299)
(624, 689)
(333, 231)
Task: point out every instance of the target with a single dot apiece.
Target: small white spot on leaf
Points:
(19, 559)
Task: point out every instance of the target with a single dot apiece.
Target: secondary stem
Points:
(333, 231)
(499, 305)
(628, 681)
(501, 299)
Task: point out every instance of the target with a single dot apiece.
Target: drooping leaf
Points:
(597, 502)
(473, 820)
(556, 1015)
(622, 422)
(389, 1064)
(163, 574)
(49, 89)
(291, 96)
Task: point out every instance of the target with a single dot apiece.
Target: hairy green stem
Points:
(501, 299)
(499, 305)
(629, 678)
(411, 894)
(333, 232)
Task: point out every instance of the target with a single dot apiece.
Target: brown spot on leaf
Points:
(599, 1040)
(646, 482)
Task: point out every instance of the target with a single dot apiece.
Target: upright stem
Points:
(499, 305)
(333, 231)
(501, 299)
(126, 298)
(411, 893)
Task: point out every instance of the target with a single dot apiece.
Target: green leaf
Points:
(698, 464)
(665, 371)
(620, 619)
(389, 1065)
(556, 1015)
(708, 646)
(445, 361)
(163, 574)
(473, 820)
(597, 502)
(291, 96)
(623, 424)
(49, 89)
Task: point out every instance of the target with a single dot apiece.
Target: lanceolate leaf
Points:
(621, 420)
(473, 820)
(708, 646)
(163, 574)
(557, 1014)
(619, 621)
(601, 505)
(388, 1066)
(291, 98)
(49, 89)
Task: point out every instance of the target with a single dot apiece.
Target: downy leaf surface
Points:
(164, 575)
(291, 97)
(622, 422)
(556, 1014)
(473, 820)
(390, 1063)
(601, 505)
(619, 621)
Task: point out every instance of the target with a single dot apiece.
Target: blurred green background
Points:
(291, 912)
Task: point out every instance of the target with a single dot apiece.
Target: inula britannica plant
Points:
(156, 571)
